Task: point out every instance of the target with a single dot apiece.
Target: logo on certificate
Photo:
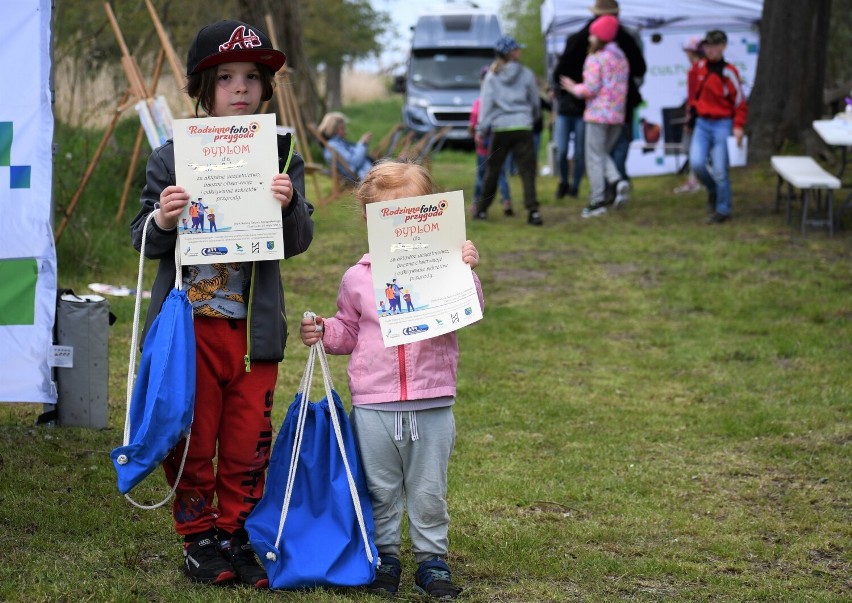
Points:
(415, 330)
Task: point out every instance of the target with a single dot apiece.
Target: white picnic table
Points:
(836, 132)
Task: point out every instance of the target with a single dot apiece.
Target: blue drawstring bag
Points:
(160, 404)
(314, 524)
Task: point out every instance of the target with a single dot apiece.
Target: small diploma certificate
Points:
(226, 164)
(421, 285)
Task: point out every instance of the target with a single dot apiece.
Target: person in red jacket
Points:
(718, 102)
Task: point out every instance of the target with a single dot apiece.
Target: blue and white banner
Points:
(27, 253)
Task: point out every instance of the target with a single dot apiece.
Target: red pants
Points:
(232, 409)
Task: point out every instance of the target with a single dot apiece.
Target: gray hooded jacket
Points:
(510, 99)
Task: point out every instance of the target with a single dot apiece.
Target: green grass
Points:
(651, 410)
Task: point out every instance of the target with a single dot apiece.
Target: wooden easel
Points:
(178, 69)
(136, 91)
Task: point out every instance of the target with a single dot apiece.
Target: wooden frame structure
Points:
(287, 109)
(136, 91)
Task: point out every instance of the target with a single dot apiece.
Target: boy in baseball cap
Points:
(239, 325)
(229, 41)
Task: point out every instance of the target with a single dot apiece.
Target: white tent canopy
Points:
(561, 16)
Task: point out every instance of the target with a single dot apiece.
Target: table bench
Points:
(805, 174)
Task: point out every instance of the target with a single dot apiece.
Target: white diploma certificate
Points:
(422, 287)
(226, 164)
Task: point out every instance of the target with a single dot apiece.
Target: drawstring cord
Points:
(412, 425)
(398, 426)
(131, 372)
(397, 431)
(317, 351)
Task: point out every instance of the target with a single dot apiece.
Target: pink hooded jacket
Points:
(604, 85)
(413, 371)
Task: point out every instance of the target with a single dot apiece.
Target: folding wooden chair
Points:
(429, 143)
(340, 171)
(387, 145)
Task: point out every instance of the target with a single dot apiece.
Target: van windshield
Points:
(449, 69)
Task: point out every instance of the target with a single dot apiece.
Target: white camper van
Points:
(449, 48)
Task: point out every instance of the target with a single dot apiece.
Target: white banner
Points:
(658, 123)
(27, 253)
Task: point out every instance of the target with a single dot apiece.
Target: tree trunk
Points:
(285, 15)
(333, 86)
(790, 78)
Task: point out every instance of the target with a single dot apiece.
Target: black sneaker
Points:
(239, 552)
(507, 208)
(562, 189)
(592, 211)
(718, 218)
(535, 218)
(433, 578)
(204, 563)
(609, 193)
(387, 576)
(480, 215)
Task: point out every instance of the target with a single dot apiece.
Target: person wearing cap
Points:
(630, 44)
(510, 104)
(238, 311)
(694, 51)
(718, 101)
(604, 86)
(354, 154)
(481, 148)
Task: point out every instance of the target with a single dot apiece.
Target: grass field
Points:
(651, 410)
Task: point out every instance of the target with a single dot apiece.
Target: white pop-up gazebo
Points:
(663, 27)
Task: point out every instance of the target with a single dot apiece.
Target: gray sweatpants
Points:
(601, 169)
(415, 469)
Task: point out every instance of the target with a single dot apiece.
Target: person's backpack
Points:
(161, 398)
(314, 524)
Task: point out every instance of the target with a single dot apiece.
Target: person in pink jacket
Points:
(402, 399)
(604, 86)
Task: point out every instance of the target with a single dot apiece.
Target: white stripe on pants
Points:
(416, 470)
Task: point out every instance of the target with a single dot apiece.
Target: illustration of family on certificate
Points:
(226, 164)
(422, 287)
